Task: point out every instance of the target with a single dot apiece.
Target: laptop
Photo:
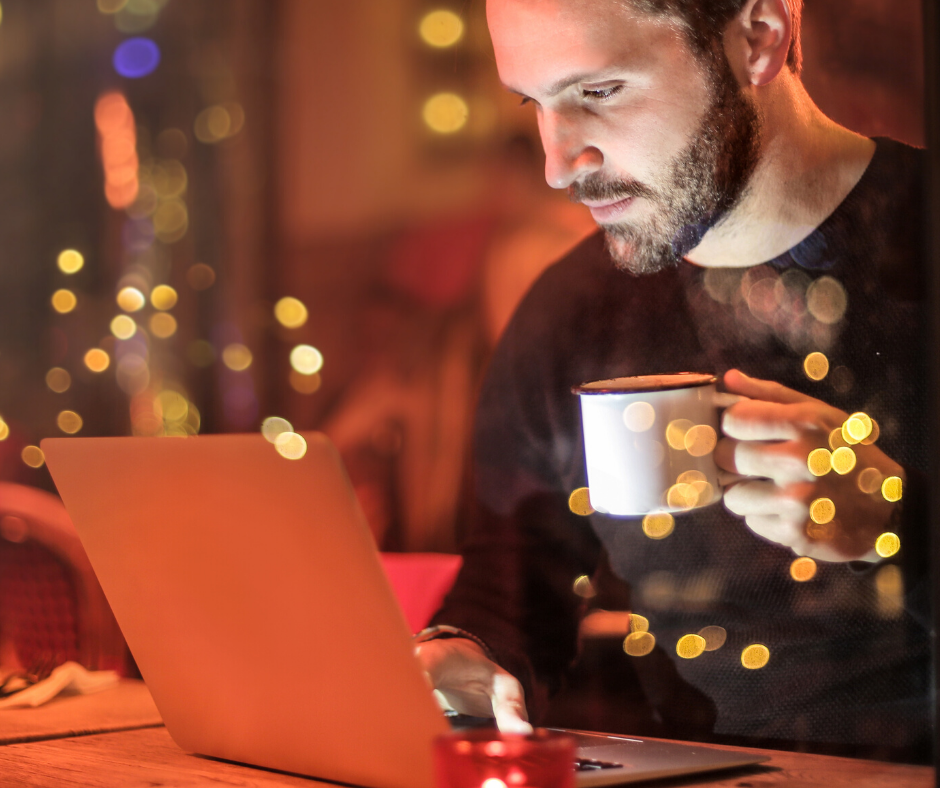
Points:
(251, 594)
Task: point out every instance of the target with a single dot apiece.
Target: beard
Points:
(701, 185)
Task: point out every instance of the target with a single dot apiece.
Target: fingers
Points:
(757, 420)
(768, 390)
(508, 702)
(759, 497)
(466, 681)
(784, 463)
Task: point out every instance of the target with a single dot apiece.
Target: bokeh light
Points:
(136, 57)
(130, 299)
(690, 646)
(639, 416)
(163, 297)
(306, 359)
(843, 460)
(69, 422)
(123, 327)
(304, 384)
(658, 525)
(821, 532)
(64, 301)
(826, 300)
(33, 456)
(274, 426)
(700, 440)
(219, 122)
(819, 462)
(892, 489)
(889, 583)
(445, 113)
(4, 429)
(803, 569)
(70, 261)
(875, 434)
(860, 426)
(675, 433)
(836, 440)
(639, 623)
(118, 144)
(171, 220)
(639, 644)
(715, 637)
(236, 357)
(200, 276)
(290, 312)
(816, 366)
(290, 445)
(169, 179)
(755, 656)
(441, 28)
(887, 545)
(682, 496)
(579, 502)
(111, 6)
(97, 360)
(822, 510)
(162, 325)
(869, 480)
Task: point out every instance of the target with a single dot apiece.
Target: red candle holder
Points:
(486, 758)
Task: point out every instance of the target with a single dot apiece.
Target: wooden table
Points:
(148, 757)
(101, 740)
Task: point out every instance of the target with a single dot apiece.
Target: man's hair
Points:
(706, 20)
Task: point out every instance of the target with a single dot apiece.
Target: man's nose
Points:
(568, 156)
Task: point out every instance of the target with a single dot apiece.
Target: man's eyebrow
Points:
(564, 83)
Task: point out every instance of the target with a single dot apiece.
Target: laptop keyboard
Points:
(590, 765)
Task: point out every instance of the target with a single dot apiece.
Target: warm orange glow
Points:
(97, 360)
(755, 657)
(130, 299)
(58, 380)
(236, 357)
(290, 445)
(162, 325)
(163, 297)
(69, 422)
(117, 135)
(70, 261)
(290, 312)
(690, 646)
(33, 456)
(306, 359)
(64, 301)
(579, 502)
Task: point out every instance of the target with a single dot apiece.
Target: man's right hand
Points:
(467, 682)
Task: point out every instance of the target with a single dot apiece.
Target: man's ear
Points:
(758, 40)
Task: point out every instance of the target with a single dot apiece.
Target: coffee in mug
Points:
(649, 443)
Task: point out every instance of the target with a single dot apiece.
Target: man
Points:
(750, 232)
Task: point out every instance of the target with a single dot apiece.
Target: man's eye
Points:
(602, 94)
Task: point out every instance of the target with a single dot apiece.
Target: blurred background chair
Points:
(420, 581)
(51, 606)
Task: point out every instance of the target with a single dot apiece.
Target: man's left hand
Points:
(768, 439)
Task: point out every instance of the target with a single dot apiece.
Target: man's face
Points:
(658, 143)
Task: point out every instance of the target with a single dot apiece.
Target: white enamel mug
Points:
(649, 443)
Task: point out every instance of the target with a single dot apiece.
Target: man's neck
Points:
(808, 166)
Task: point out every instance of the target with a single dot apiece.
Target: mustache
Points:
(597, 189)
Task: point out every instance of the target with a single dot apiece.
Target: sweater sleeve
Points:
(523, 548)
